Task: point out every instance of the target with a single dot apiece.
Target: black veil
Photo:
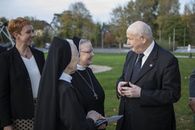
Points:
(58, 58)
(76, 41)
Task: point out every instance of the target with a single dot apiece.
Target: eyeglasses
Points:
(90, 51)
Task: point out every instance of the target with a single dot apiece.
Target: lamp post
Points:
(102, 39)
(103, 30)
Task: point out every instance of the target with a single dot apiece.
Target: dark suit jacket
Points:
(159, 80)
(16, 99)
(2, 49)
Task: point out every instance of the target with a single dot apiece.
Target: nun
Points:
(57, 105)
(90, 90)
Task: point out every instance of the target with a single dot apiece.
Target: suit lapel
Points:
(149, 63)
(130, 65)
(19, 63)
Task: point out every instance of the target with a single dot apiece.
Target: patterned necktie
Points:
(137, 67)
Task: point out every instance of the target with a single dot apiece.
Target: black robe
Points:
(85, 94)
(57, 105)
(71, 114)
(2, 49)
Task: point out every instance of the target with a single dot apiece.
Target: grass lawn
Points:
(108, 79)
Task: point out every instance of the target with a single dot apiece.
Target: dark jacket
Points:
(16, 99)
(159, 80)
(2, 49)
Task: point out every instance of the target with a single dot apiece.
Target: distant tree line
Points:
(170, 28)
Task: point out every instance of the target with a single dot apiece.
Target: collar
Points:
(66, 77)
(80, 67)
(149, 49)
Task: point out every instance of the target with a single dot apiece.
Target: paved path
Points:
(100, 68)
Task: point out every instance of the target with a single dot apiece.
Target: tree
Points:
(168, 7)
(79, 10)
(119, 25)
(43, 31)
(135, 10)
(76, 21)
(188, 18)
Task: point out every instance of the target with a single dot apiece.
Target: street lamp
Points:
(103, 30)
(102, 38)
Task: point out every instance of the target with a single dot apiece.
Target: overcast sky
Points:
(44, 9)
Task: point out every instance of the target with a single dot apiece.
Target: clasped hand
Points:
(128, 89)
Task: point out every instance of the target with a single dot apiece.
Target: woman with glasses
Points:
(90, 92)
(57, 106)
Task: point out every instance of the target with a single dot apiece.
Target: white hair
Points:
(82, 41)
(141, 29)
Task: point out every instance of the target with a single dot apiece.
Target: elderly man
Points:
(149, 84)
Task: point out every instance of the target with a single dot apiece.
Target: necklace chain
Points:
(89, 86)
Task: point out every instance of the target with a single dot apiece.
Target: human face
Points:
(86, 54)
(136, 42)
(25, 36)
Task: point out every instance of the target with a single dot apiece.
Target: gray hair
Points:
(83, 41)
(141, 29)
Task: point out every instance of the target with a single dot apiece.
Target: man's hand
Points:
(132, 91)
(120, 87)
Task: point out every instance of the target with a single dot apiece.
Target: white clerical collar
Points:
(80, 67)
(149, 49)
(66, 77)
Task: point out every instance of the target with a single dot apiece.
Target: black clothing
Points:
(16, 97)
(137, 67)
(85, 94)
(76, 41)
(57, 105)
(71, 114)
(160, 83)
(2, 49)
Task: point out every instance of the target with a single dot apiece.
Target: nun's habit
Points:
(91, 94)
(58, 107)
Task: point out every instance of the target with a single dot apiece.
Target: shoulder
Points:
(129, 55)
(65, 88)
(89, 70)
(64, 85)
(165, 54)
(9, 53)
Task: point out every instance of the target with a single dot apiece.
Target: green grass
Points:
(108, 80)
